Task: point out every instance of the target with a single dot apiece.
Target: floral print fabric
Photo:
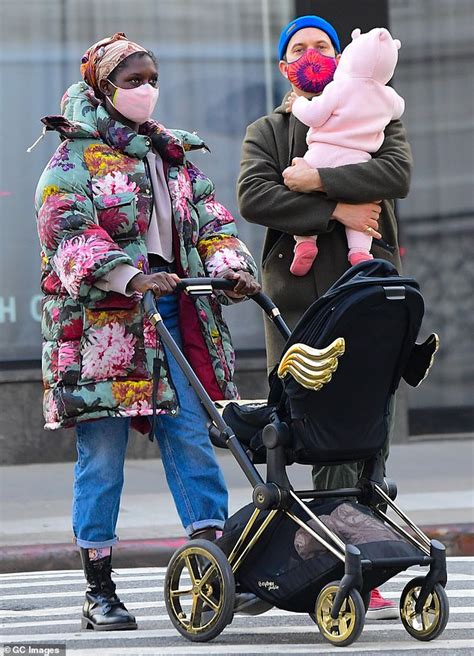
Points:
(93, 204)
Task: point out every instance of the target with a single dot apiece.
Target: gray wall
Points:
(436, 77)
(214, 79)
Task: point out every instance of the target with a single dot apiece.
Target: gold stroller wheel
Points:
(348, 626)
(432, 620)
(199, 591)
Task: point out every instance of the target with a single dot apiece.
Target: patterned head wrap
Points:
(101, 58)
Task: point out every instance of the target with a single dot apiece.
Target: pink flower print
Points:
(108, 352)
(51, 413)
(149, 334)
(76, 258)
(181, 190)
(112, 219)
(223, 259)
(68, 355)
(138, 408)
(219, 211)
(55, 314)
(50, 218)
(113, 183)
(184, 185)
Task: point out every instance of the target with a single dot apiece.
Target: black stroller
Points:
(317, 552)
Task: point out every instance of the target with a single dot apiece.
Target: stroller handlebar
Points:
(206, 286)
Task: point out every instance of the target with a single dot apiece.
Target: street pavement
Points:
(434, 478)
(41, 608)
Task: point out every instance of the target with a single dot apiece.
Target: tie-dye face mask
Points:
(312, 71)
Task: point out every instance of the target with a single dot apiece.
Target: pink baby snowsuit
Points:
(347, 120)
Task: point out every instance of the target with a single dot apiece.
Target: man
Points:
(279, 190)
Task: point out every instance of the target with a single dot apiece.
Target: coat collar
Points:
(84, 118)
(120, 136)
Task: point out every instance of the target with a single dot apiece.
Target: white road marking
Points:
(152, 577)
(58, 573)
(171, 633)
(159, 628)
(152, 590)
(237, 618)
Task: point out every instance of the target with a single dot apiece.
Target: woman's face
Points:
(137, 70)
(134, 72)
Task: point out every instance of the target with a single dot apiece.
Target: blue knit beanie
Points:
(302, 22)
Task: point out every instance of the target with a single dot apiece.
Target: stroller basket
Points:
(292, 575)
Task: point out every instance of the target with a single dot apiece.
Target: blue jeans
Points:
(192, 472)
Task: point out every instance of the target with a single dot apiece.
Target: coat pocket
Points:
(112, 345)
(117, 213)
(276, 246)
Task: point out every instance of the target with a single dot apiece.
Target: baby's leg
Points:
(305, 254)
(359, 246)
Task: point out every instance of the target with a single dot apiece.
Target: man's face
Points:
(308, 37)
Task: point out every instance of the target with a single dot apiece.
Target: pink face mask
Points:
(135, 104)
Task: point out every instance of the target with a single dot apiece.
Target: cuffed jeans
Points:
(192, 472)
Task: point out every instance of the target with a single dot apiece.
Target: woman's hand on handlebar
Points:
(159, 283)
(246, 285)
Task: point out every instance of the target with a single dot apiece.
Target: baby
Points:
(347, 121)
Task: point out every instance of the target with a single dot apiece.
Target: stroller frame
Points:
(276, 495)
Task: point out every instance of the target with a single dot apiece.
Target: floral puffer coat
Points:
(93, 205)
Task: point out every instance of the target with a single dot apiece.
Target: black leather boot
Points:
(102, 610)
(205, 534)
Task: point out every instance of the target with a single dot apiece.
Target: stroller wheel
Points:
(348, 626)
(432, 620)
(199, 590)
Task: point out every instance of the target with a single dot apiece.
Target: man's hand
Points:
(301, 177)
(290, 100)
(363, 217)
(246, 285)
(160, 283)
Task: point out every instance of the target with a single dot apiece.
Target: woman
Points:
(120, 211)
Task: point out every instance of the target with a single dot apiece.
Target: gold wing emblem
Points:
(311, 367)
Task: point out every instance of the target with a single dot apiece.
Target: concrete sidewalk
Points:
(434, 478)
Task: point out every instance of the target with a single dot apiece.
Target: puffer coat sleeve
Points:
(218, 243)
(76, 251)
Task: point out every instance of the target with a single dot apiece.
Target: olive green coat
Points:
(268, 148)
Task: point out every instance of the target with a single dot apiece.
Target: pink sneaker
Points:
(305, 254)
(359, 256)
(380, 608)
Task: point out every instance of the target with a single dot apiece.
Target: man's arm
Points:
(386, 175)
(265, 200)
